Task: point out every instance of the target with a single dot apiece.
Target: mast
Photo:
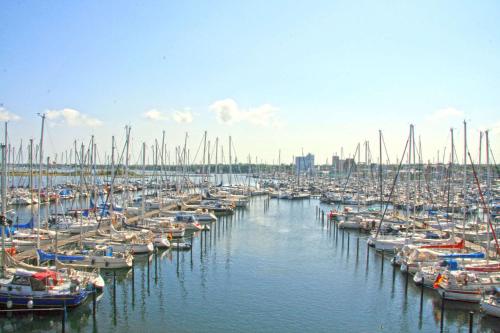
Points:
(40, 155)
(465, 179)
(204, 152)
(480, 150)
(32, 206)
(216, 158)
(488, 184)
(450, 178)
(84, 189)
(230, 164)
(143, 180)
(4, 200)
(47, 206)
(380, 170)
(127, 143)
(111, 201)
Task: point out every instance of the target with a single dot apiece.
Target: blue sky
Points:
(289, 75)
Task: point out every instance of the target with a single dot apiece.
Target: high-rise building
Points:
(304, 164)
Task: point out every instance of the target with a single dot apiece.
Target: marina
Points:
(256, 268)
(249, 166)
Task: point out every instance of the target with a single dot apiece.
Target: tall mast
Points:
(216, 158)
(204, 152)
(465, 178)
(111, 202)
(450, 178)
(127, 144)
(143, 180)
(32, 206)
(488, 184)
(230, 164)
(380, 170)
(480, 146)
(4, 200)
(40, 155)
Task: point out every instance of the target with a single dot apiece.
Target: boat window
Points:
(37, 285)
(21, 280)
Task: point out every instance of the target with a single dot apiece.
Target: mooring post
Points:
(191, 250)
(382, 262)
(148, 267)
(357, 247)
(422, 294)
(442, 311)
(177, 249)
(407, 274)
(367, 255)
(471, 321)
(348, 241)
(63, 322)
(94, 301)
(156, 263)
(114, 287)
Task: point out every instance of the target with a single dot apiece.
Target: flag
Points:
(438, 280)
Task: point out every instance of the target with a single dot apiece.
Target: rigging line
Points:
(485, 207)
(494, 162)
(392, 188)
(386, 153)
(194, 159)
(347, 179)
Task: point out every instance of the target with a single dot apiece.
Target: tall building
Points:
(304, 164)
(343, 165)
(336, 164)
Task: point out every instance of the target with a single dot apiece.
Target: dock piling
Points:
(63, 322)
(471, 321)
(443, 300)
(348, 242)
(357, 247)
(382, 262)
(422, 294)
(407, 275)
(94, 301)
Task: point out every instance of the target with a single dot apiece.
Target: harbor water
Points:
(273, 267)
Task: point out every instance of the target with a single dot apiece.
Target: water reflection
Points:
(268, 268)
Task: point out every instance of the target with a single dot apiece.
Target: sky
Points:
(276, 76)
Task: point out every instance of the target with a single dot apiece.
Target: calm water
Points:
(274, 270)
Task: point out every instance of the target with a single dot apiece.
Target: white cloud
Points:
(228, 112)
(72, 118)
(8, 116)
(155, 115)
(445, 114)
(184, 117)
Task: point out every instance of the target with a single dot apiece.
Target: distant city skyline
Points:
(279, 77)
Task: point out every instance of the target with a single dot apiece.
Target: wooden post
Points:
(422, 294)
(348, 242)
(63, 323)
(406, 283)
(114, 287)
(357, 247)
(442, 312)
(471, 321)
(367, 255)
(156, 263)
(382, 262)
(94, 301)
